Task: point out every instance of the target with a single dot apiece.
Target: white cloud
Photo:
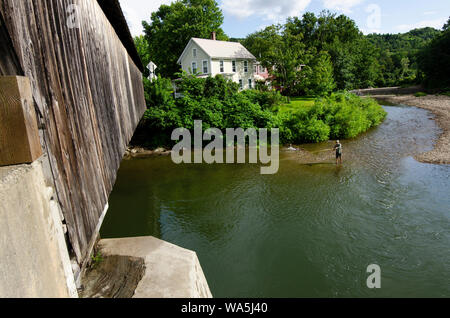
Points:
(272, 10)
(136, 11)
(341, 5)
(430, 12)
(436, 23)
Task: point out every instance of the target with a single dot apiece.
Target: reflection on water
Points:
(312, 229)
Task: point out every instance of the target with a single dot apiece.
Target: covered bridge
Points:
(70, 72)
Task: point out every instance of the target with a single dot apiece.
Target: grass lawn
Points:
(297, 103)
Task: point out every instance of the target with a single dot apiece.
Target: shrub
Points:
(159, 92)
(219, 104)
(266, 99)
(339, 116)
(420, 94)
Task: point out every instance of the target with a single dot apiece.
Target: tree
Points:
(352, 56)
(282, 52)
(261, 43)
(397, 55)
(172, 26)
(144, 52)
(434, 62)
(447, 25)
(367, 67)
(317, 77)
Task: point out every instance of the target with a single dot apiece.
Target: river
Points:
(310, 230)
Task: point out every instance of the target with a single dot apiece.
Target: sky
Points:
(242, 17)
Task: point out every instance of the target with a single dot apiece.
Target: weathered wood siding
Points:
(89, 97)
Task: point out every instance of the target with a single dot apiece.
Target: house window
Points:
(261, 69)
(205, 67)
(255, 70)
(241, 84)
(234, 66)
(222, 68)
(194, 52)
(194, 67)
(246, 66)
(250, 83)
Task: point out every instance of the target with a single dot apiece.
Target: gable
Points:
(188, 51)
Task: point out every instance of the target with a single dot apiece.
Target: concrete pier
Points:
(170, 271)
(34, 261)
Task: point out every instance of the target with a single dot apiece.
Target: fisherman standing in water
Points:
(338, 148)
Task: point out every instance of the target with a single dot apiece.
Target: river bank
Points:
(439, 105)
(141, 152)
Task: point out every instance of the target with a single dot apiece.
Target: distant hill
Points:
(411, 41)
(237, 40)
(398, 54)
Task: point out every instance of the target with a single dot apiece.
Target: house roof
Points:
(114, 13)
(221, 49)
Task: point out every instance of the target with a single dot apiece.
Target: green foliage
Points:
(317, 78)
(281, 51)
(420, 94)
(335, 52)
(397, 55)
(96, 260)
(350, 52)
(262, 86)
(144, 52)
(296, 104)
(216, 101)
(411, 41)
(357, 61)
(434, 62)
(172, 26)
(339, 116)
(446, 25)
(219, 104)
(160, 92)
(266, 99)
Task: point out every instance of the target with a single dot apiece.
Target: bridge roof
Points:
(114, 13)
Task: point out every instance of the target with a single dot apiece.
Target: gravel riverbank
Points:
(439, 105)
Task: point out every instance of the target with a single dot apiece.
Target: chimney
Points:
(213, 35)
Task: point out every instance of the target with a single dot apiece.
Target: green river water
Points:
(310, 230)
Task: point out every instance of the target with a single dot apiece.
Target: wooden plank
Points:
(90, 97)
(19, 134)
(9, 64)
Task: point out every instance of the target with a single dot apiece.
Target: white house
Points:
(211, 57)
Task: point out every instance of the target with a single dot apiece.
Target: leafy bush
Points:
(216, 101)
(420, 94)
(340, 116)
(261, 85)
(219, 104)
(159, 92)
(266, 99)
